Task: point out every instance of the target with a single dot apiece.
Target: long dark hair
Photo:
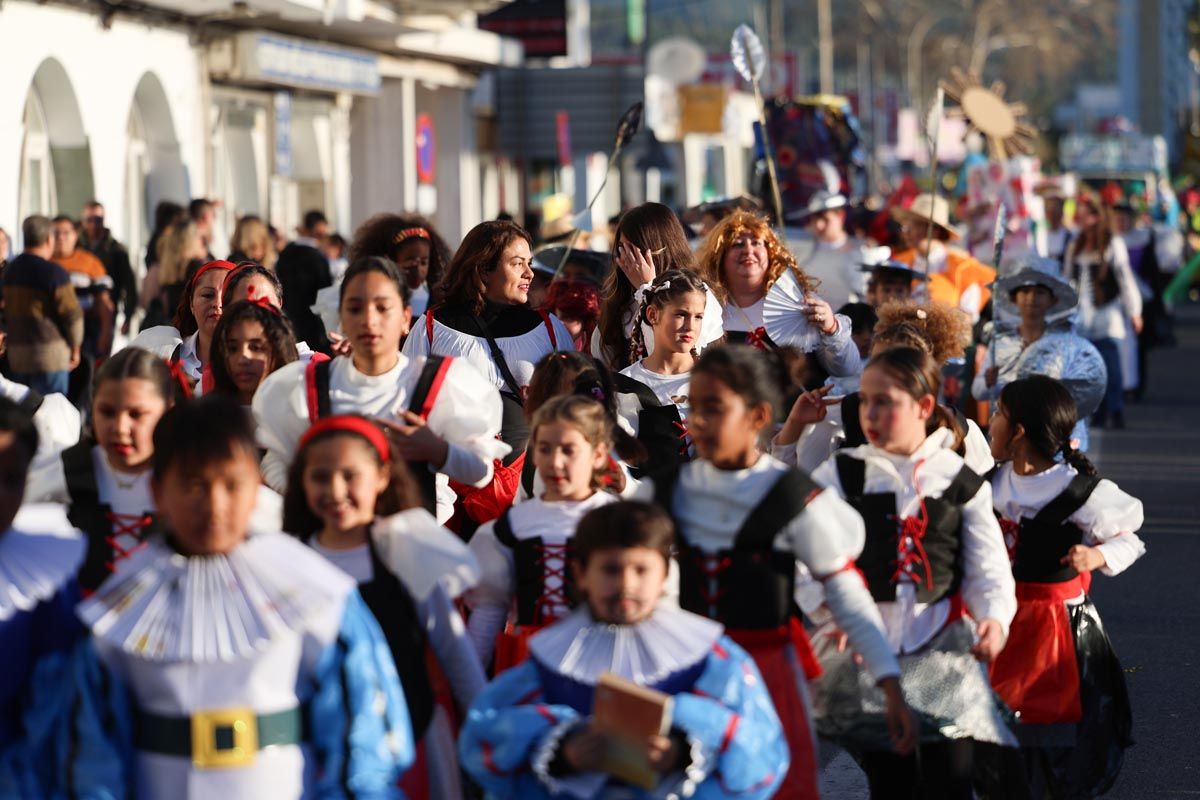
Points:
(1047, 412)
(744, 370)
(382, 265)
(479, 253)
(668, 287)
(381, 235)
(299, 520)
(134, 362)
(919, 374)
(277, 329)
(653, 227)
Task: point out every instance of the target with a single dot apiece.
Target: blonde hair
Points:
(251, 233)
(940, 330)
(711, 255)
(584, 414)
(172, 252)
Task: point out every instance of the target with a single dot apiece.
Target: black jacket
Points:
(303, 271)
(115, 258)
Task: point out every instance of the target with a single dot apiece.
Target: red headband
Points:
(227, 265)
(411, 233)
(351, 423)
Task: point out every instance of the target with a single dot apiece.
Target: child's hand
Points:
(1082, 558)
(991, 376)
(991, 640)
(584, 749)
(664, 753)
(902, 725)
(339, 345)
(809, 408)
(413, 441)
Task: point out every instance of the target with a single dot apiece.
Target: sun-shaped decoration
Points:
(987, 112)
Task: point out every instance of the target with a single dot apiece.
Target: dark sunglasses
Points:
(94, 220)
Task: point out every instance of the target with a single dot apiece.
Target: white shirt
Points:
(163, 340)
(710, 505)
(466, 413)
(1108, 519)
(988, 588)
(1107, 321)
(554, 522)
(748, 319)
(58, 425)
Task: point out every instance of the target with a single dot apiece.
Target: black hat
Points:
(720, 206)
(879, 262)
(547, 260)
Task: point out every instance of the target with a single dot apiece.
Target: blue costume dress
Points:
(39, 557)
(256, 673)
(735, 746)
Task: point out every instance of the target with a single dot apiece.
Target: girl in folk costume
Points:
(482, 317)
(58, 424)
(252, 340)
(743, 258)
(523, 553)
(1097, 263)
(745, 523)
(39, 556)
(564, 373)
(533, 732)
(188, 340)
(104, 480)
(1062, 522)
(649, 240)
(261, 286)
(441, 414)
(819, 425)
(413, 243)
(355, 506)
(654, 390)
(935, 563)
(247, 664)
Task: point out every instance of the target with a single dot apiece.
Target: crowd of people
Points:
(389, 518)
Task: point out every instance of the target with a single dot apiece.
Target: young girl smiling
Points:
(935, 563)
(361, 511)
(1062, 522)
(522, 554)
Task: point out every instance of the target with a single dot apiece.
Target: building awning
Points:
(258, 57)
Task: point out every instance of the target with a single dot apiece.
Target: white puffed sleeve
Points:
(491, 598)
(47, 483)
(416, 346)
(425, 555)
(1109, 520)
(711, 329)
(837, 352)
(450, 644)
(563, 340)
(281, 411)
(467, 414)
(819, 440)
(160, 340)
(58, 425)
(988, 587)
(977, 452)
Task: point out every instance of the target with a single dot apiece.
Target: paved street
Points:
(1153, 611)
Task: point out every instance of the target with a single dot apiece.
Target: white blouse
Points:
(466, 414)
(669, 389)
(58, 425)
(710, 505)
(1108, 519)
(988, 588)
(162, 340)
(1107, 321)
(491, 600)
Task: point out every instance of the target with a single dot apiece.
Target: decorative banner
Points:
(426, 149)
(811, 137)
(562, 137)
(540, 26)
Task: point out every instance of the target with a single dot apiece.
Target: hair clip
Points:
(598, 393)
(921, 314)
(662, 287)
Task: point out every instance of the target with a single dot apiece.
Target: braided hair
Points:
(1045, 409)
(668, 287)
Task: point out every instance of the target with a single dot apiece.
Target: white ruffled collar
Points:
(38, 556)
(423, 554)
(166, 606)
(582, 649)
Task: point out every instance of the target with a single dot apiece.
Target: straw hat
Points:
(924, 208)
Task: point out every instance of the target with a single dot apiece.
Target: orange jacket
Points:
(962, 271)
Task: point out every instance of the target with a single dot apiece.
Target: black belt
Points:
(219, 738)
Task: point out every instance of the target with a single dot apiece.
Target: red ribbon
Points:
(180, 377)
(262, 301)
(757, 338)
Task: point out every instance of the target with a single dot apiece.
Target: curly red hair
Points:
(711, 255)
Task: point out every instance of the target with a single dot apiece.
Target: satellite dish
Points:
(677, 60)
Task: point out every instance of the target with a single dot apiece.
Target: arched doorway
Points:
(56, 163)
(154, 169)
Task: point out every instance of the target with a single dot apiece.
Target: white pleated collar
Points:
(38, 556)
(166, 606)
(670, 641)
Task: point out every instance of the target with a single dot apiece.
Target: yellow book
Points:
(629, 715)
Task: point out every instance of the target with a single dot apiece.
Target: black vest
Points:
(396, 612)
(529, 557)
(853, 433)
(87, 513)
(941, 576)
(426, 479)
(660, 428)
(1046, 537)
(754, 582)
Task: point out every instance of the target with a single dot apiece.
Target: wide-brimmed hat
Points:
(879, 262)
(720, 206)
(1034, 270)
(821, 201)
(926, 207)
(547, 260)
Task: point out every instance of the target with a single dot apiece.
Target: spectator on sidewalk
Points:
(100, 241)
(204, 213)
(4, 247)
(252, 241)
(93, 287)
(303, 270)
(45, 323)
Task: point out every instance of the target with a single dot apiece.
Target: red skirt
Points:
(1037, 674)
(416, 782)
(512, 646)
(786, 660)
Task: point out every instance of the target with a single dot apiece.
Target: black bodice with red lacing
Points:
(661, 428)
(1037, 544)
(543, 583)
(750, 585)
(925, 550)
(111, 537)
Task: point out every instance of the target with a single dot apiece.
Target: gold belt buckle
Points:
(224, 738)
